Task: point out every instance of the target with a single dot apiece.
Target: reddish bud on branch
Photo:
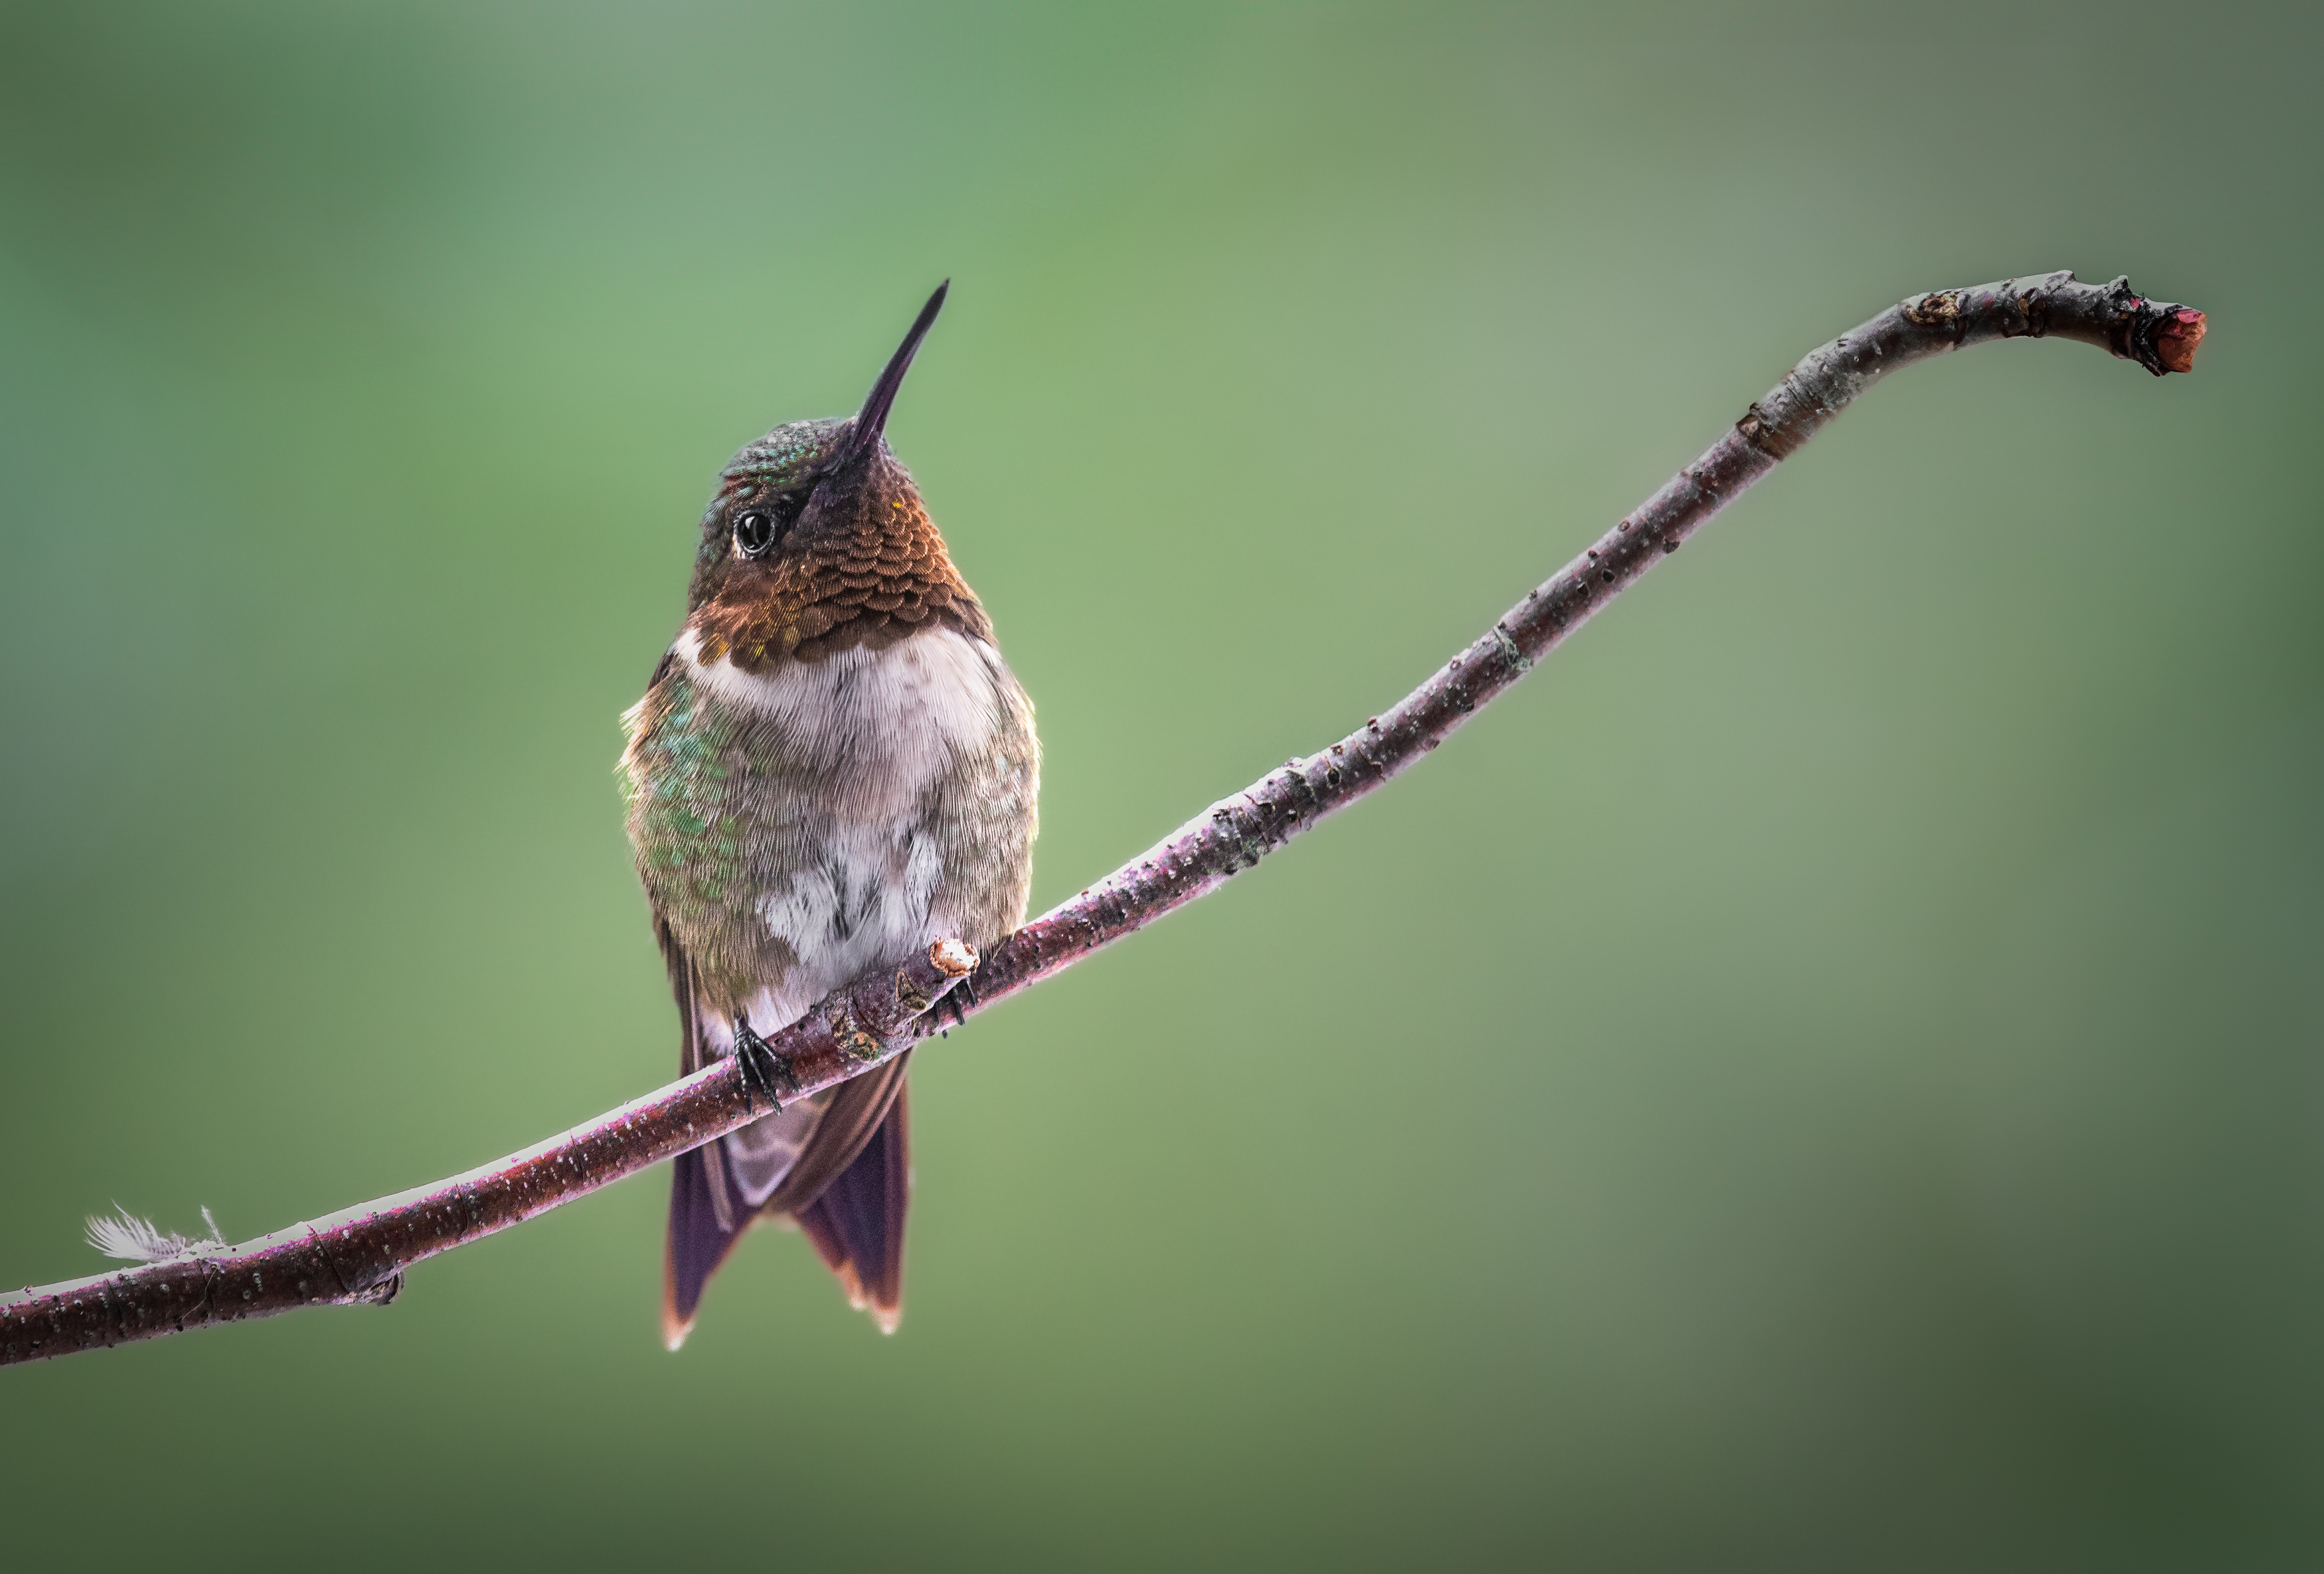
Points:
(2176, 342)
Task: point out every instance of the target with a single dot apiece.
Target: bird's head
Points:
(817, 540)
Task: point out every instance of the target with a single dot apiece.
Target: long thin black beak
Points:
(873, 419)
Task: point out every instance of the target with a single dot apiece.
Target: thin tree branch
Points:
(360, 1255)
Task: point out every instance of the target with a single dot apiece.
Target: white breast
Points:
(886, 720)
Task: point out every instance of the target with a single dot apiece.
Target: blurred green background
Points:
(1865, 992)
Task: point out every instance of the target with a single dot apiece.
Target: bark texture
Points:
(360, 1256)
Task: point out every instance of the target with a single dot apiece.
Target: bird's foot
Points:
(963, 990)
(759, 1064)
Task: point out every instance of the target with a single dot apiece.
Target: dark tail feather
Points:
(698, 1244)
(857, 1222)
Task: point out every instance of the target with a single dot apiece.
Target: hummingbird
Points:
(831, 768)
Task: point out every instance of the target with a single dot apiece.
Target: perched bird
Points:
(831, 768)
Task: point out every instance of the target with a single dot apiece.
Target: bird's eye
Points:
(762, 529)
(754, 532)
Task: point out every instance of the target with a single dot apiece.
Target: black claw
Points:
(759, 1065)
(959, 1012)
